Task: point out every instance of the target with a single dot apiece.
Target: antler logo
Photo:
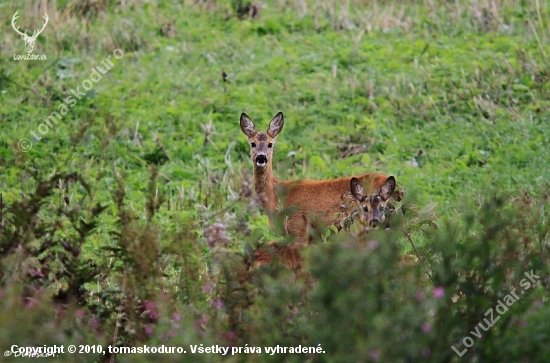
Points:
(29, 40)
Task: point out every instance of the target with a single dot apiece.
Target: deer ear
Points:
(357, 189)
(247, 126)
(276, 125)
(387, 189)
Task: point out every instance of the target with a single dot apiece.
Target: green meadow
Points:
(126, 211)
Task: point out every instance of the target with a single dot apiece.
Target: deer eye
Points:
(253, 144)
(365, 209)
(270, 145)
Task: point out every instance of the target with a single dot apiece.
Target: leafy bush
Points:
(130, 222)
(359, 298)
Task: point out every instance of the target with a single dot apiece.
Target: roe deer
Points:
(306, 199)
(373, 206)
(371, 210)
(288, 254)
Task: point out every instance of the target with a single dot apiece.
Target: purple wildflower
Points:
(373, 244)
(439, 292)
(419, 295)
(176, 317)
(206, 288)
(201, 322)
(231, 335)
(426, 352)
(374, 354)
(94, 322)
(80, 314)
(215, 234)
(218, 303)
(151, 310)
(426, 328)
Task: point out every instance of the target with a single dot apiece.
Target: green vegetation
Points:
(131, 218)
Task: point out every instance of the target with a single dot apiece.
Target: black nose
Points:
(374, 222)
(261, 159)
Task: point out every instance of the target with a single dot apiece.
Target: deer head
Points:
(261, 143)
(373, 205)
(29, 40)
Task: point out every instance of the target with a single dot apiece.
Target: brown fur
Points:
(310, 201)
(289, 254)
(305, 198)
(372, 206)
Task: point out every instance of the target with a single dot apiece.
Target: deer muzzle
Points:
(261, 160)
(377, 218)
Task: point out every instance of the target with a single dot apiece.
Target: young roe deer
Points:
(369, 208)
(309, 201)
(372, 207)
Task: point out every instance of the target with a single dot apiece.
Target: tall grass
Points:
(133, 220)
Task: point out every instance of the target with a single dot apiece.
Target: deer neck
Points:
(265, 185)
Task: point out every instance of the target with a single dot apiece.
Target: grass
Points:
(452, 98)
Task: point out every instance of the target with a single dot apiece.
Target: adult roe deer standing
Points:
(309, 201)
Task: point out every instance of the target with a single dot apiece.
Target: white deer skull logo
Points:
(32, 39)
